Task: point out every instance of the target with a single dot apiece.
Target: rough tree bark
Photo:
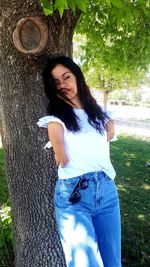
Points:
(31, 170)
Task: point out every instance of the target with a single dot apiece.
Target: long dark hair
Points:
(62, 109)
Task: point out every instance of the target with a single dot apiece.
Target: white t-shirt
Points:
(87, 149)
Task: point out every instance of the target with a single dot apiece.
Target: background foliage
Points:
(6, 239)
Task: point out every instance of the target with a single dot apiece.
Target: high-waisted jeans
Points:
(90, 229)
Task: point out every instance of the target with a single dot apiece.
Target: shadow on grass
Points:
(130, 158)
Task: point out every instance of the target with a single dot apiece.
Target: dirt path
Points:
(134, 127)
(145, 124)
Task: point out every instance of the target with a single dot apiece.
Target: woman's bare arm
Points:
(56, 136)
(110, 127)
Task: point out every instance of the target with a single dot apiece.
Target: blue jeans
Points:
(90, 229)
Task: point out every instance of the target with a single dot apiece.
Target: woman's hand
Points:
(61, 159)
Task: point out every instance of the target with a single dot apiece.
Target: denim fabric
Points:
(89, 230)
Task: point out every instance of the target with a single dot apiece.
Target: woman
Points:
(86, 200)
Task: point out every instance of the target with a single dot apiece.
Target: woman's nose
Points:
(62, 83)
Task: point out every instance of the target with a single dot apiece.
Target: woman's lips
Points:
(65, 91)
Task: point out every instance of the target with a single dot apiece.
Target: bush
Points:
(115, 102)
(6, 244)
(124, 103)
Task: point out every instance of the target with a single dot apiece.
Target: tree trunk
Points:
(105, 94)
(31, 171)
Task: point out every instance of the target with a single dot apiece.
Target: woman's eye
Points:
(67, 77)
(56, 82)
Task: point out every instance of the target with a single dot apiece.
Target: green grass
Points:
(3, 184)
(129, 156)
(6, 243)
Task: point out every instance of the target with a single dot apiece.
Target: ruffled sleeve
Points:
(43, 122)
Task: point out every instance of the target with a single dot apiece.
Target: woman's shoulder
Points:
(44, 121)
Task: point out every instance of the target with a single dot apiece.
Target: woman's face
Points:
(65, 82)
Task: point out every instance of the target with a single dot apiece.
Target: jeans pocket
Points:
(63, 190)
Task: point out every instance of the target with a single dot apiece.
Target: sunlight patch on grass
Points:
(141, 217)
(145, 186)
(121, 188)
(128, 163)
(129, 155)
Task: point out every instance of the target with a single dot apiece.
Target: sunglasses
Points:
(76, 196)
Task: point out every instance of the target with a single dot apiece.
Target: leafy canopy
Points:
(117, 31)
(100, 76)
(117, 34)
(50, 6)
(115, 49)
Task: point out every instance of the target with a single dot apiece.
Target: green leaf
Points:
(48, 11)
(72, 5)
(146, 11)
(141, 2)
(60, 5)
(45, 3)
(119, 22)
(136, 13)
(108, 3)
(120, 16)
(114, 13)
(118, 3)
(128, 17)
(81, 4)
(114, 10)
(47, 7)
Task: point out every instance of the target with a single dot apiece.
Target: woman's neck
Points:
(77, 104)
